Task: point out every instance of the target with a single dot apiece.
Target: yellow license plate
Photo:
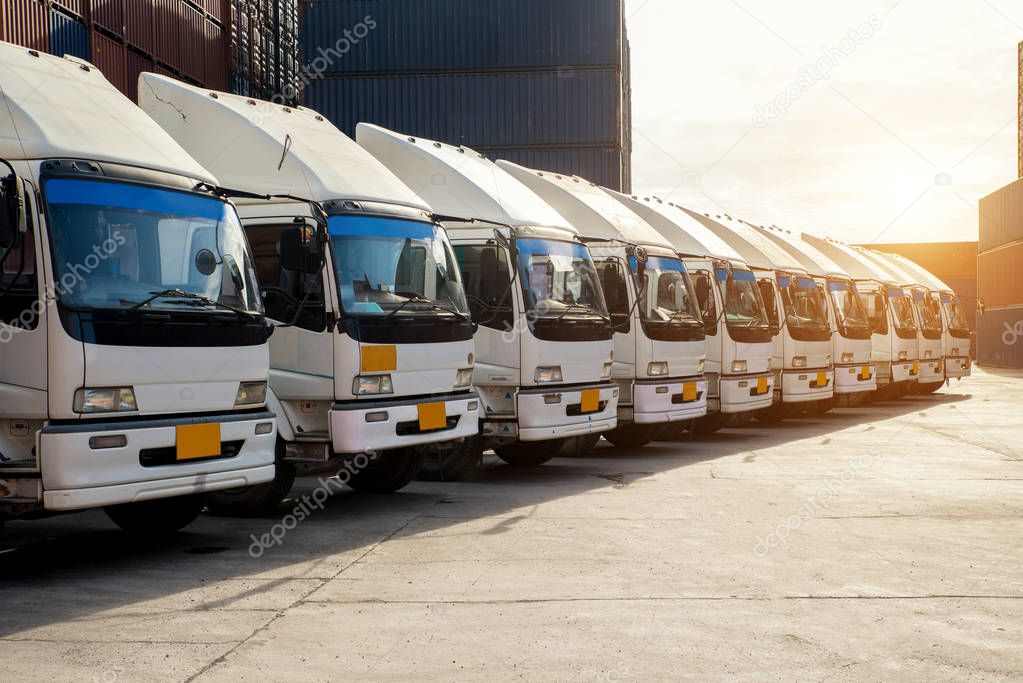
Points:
(916, 368)
(689, 392)
(865, 373)
(590, 401)
(822, 379)
(432, 416)
(198, 441)
(762, 385)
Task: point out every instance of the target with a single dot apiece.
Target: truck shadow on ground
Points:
(76, 566)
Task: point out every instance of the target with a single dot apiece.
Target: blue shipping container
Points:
(369, 36)
(68, 36)
(577, 108)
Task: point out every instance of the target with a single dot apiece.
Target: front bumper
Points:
(556, 412)
(803, 386)
(958, 366)
(905, 371)
(78, 476)
(397, 424)
(742, 393)
(932, 370)
(657, 402)
(853, 379)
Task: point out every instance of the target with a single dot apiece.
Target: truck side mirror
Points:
(298, 253)
(12, 210)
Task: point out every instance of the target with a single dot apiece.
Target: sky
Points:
(871, 121)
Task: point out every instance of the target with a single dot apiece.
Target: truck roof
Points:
(686, 235)
(902, 277)
(63, 107)
(267, 148)
(850, 260)
(458, 181)
(924, 276)
(592, 211)
(814, 260)
(755, 248)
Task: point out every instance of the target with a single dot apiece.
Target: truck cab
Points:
(802, 358)
(373, 355)
(544, 342)
(739, 327)
(659, 347)
(890, 310)
(134, 366)
(855, 373)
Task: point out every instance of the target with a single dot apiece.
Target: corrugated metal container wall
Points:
(68, 36)
(1000, 338)
(462, 35)
(1001, 217)
(108, 56)
(605, 163)
(1020, 120)
(168, 20)
(135, 63)
(138, 24)
(25, 23)
(191, 38)
(216, 59)
(1001, 276)
(79, 8)
(108, 14)
(502, 109)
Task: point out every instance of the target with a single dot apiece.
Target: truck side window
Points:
(766, 286)
(616, 292)
(703, 283)
(284, 289)
(486, 278)
(19, 290)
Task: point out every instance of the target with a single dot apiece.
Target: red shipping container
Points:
(138, 24)
(167, 20)
(109, 14)
(216, 56)
(79, 8)
(135, 64)
(24, 23)
(216, 9)
(191, 37)
(108, 56)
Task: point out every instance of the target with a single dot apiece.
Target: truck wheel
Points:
(156, 517)
(632, 436)
(710, 424)
(258, 500)
(579, 446)
(392, 471)
(529, 453)
(456, 463)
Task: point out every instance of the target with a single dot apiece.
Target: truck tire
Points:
(156, 517)
(633, 435)
(258, 500)
(392, 471)
(529, 453)
(711, 424)
(457, 463)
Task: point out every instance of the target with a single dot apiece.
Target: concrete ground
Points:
(877, 543)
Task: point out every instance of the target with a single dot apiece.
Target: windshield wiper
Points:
(201, 299)
(419, 299)
(585, 307)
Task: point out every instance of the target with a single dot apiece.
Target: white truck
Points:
(893, 326)
(738, 326)
(373, 356)
(855, 373)
(659, 347)
(544, 344)
(802, 361)
(134, 362)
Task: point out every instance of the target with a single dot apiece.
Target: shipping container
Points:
(191, 43)
(25, 22)
(536, 108)
(1001, 217)
(168, 23)
(602, 166)
(108, 56)
(1000, 337)
(1020, 119)
(369, 36)
(135, 63)
(108, 14)
(68, 35)
(1001, 276)
(139, 16)
(77, 8)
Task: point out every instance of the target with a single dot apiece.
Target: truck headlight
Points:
(701, 367)
(463, 378)
(955, 350)
(250, 393)
(548, 375)
(927, 354)
(903, 355)
(799, 361)
(657, 369)
(848, 357)
(370, 385)
(605, 372)
(109, 400)
(739, 366)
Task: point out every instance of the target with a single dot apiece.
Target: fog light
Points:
(548, 375)
(552, 399)
(799, 362)
(463, 378)
(372, 384)
(111, 400)
(113, 441)
(658, 369)
(848, 357)
(264, 428)
(378, 416)
(605, 372)
(472, 405)
(250, 394)
(739, 366)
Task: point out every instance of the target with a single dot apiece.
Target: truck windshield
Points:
(929, 313)
(852, 316)
(875, 305)
(119, 245)
(559, 279)
(668, 294)
(744, 307)
(902, 310)
(805, 308)
(395, 266)
(958, 325)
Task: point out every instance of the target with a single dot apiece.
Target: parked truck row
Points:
(204, 296)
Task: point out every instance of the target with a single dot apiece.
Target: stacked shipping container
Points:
(1020, 119)
(1000, 277)
(264, 49)
(540, 83)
